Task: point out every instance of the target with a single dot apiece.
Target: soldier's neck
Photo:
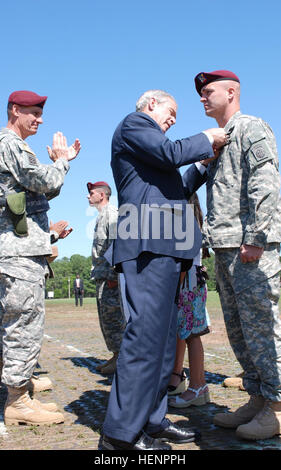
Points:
(102, 205)
(15, 128)
(223, 118)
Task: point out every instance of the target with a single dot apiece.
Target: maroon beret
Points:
(27, 98)
(204, 78)
(98, 184)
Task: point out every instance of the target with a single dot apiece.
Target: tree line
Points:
(66, 269)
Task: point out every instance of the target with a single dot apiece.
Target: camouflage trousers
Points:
(22, 315)
(111, 315)
(249, 295)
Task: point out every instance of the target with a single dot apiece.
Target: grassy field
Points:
(73, 346)
(71, 301)
(212, 300)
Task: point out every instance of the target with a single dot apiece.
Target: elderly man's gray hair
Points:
(159, 95)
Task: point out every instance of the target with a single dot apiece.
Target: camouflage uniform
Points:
(243, 207)
(111, 315)
(23, 265)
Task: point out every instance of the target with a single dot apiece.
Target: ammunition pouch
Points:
(22, 204)
(16, 207)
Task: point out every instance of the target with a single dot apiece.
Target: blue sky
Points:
(94, 59)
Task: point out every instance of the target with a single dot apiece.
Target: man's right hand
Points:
(219, 135)
(60, 228)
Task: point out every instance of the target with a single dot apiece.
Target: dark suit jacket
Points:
(81, 285)
(145, 166)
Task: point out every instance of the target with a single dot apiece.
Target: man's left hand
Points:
(209, 160)
(74, 149)
(249, 253)
(61, 150)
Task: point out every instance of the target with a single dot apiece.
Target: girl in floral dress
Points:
(193, 322)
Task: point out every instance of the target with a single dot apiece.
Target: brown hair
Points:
(197, 209)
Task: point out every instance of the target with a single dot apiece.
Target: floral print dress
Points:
(193, 318)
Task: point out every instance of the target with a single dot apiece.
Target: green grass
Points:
(86, 300)
(213, 300)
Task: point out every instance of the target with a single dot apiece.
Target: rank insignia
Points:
(202, 78)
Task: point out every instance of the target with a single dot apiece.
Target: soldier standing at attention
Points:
(26, 185)
(243, 227)
(110, 311)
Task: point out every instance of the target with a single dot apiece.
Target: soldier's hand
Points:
(65, 232)
(74, 149)
(250, 253)
(219, 135)
(61, 150)
(60, 228)
(112, 284)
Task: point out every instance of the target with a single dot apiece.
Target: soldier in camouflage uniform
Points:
(26, 185)
(243, 227)
(109, 304)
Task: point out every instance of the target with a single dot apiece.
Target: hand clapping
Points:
(61, 150)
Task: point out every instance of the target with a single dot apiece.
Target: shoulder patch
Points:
(259, 152)
(32, 160)
(29, 160)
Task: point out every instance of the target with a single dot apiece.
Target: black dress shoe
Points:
(144, 442)
(177, 435)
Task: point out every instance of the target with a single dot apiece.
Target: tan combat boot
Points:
(242, 415)
(266, 424)
(19, 408)
(50, 406)
(36, 383)
(39, 384)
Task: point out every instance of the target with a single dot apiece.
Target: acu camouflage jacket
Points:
(20, 170)
(243, 188)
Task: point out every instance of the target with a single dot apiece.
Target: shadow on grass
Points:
(91, 406)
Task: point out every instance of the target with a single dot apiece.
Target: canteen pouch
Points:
(16, 206)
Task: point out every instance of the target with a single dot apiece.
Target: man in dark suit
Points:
(78, 287)
(150, 188)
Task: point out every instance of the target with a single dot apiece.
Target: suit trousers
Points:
(138, 398)
(78, 296)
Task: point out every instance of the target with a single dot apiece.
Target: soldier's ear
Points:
(15, 110)
(231, 92)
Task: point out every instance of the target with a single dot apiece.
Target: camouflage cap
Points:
(27, 98)
(203, 78)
